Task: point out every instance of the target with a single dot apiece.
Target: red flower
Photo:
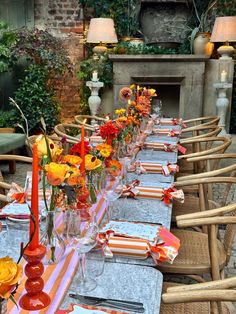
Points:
(76, 148)
(109, 130)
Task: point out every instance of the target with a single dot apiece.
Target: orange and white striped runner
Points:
(57, 278)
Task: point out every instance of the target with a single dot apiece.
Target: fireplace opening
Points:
(169, 96)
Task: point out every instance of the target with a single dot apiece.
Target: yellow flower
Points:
(72, 160)
(56, 173)
(92, 162)
(75, 177)
(10, 274)
(122, 119)
(152, 91)
(104, 149)
(42, 147)
(120, 111)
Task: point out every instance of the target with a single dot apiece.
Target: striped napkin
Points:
(82, 309)
(169, 121)
(57, 278)
(159, 193)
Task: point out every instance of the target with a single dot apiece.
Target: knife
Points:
(119, 304)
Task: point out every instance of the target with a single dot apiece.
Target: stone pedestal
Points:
(222, 104)
(94, 100)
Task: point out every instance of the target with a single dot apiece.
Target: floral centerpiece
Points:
(10, 274)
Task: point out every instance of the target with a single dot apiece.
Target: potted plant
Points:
(200, 36)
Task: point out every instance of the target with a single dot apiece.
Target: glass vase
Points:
(54, 243)
(3, 306)
(71, 222)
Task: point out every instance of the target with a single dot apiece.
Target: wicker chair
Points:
(203, 253)
(201, 147)
(3, 185)
(195, 298)
(80, 118)
(209, 120)
(63, 129)
(194, 203)
(199, 131)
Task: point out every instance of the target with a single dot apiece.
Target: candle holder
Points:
(35, 299)
(94, 100)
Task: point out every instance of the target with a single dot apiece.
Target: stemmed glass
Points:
(84, 241)
(111, 189)
(156, 109)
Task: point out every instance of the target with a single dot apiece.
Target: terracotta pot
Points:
(202, 45)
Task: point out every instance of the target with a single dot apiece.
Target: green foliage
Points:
(7, 39)
(132, 49)
(44, 49)
(8, 119)
(37, 100)
(226, 7)
(124, 12)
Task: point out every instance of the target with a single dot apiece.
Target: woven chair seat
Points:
(188, 308)
(193, 257)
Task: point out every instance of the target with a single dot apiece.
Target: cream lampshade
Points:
(102, 31)
(224, 30)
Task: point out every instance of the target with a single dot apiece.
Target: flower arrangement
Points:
(10, 274)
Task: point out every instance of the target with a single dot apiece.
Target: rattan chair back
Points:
(208, 120)
(199, 131)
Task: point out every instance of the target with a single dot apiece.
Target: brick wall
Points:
(62, 19)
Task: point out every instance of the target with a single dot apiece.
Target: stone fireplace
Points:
(178, 79)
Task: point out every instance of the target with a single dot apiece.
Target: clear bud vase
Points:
(54, 243)
(71, 221)
(3, 306)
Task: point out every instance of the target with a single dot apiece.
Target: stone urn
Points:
(202, 44)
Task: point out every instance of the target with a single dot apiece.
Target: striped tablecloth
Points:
(58, 277)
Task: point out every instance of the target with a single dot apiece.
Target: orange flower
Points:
(72, 160)
(92, 162)
(56, 173)
(75, 177)
(114, 167)
(10, 274)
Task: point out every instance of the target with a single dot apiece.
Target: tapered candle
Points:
(34, 201)
(137, 94)
(82, 150)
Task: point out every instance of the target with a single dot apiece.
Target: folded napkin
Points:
(165, 249)
(167, 147)
(167, 132)
(145, 167)
(15, 210)
(87, 309)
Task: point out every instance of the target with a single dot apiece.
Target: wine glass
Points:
(111, 189)
(84, 242)
(156, 110)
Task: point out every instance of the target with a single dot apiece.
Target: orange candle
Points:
(137, 95)
(34, 200)
(82, 150)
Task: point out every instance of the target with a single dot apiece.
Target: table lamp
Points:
(224, 30)
(101, 31)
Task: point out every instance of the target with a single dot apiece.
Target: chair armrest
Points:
(5, 185)
(208, 213)
(212, 157)
(199, 296)
(217, 284)
(16, 158)
(206, 221)
(180, 184)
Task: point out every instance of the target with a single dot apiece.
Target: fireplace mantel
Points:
(187, 71)
(158, 58)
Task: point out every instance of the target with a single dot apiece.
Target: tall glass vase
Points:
(55, 246)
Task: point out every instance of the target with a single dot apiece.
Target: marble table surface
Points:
(125, 282)
(156, 156)
(150, 179)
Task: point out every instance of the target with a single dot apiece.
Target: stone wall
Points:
(62, 19)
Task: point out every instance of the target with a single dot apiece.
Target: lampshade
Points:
(224, 29)
(101, 30)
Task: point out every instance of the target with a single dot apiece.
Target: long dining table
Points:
(123, 277)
